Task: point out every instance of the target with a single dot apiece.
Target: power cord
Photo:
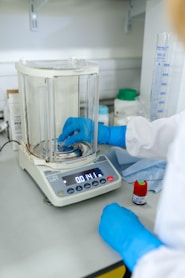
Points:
(6, 127)
(10, 141)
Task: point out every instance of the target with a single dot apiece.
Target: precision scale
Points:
(50, 93)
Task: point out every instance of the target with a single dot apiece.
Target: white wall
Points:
(85, 29)
(93, 29)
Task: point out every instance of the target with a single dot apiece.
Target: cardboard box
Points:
(14, 117)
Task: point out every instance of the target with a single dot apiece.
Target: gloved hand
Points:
(77, 130)
(82, 129)
(112, 135)
(123, 231)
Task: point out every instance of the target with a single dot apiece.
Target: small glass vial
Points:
(103, 114)
(140, 192)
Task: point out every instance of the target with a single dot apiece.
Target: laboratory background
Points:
(119, 35)
(134, 49)
(96, 30)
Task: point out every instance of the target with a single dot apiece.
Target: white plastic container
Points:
(103, 114)
(126, 106)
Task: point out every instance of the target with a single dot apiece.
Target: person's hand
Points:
(77, 130)
(82, 129)
(112, 135)
(122, 230)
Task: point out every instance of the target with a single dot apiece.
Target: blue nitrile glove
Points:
(123, 231)
(81, 129)
(112, 135)
(77, 130)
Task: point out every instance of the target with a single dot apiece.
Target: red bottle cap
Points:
(140, 187)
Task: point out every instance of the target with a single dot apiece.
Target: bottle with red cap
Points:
(140, 192)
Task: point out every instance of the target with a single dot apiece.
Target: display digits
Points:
(83, 176)
(86, 177)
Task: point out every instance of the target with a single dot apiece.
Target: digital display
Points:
(82, 176)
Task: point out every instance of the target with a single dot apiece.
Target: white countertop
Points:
(38, 240)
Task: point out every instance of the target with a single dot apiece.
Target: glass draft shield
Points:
(51, 92)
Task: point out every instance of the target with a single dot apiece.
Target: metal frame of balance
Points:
(50, 93)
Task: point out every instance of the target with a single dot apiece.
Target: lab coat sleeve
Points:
(169, 261)
(170, 219)
(150, 139)
(162, 262)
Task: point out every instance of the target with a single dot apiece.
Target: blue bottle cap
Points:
(103, 109)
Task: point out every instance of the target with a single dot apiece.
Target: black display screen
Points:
(82, 176)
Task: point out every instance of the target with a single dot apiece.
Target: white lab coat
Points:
(164, 138)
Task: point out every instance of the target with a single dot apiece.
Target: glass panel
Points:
(48, 103)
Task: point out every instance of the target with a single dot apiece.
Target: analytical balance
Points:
(50, 93)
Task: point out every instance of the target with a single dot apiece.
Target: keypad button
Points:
(102, 181)
(110, 178)
(70, 190)
(87, 185)
(79, 188)
(95, 183)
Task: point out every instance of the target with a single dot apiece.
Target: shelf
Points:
(35, 6)
(135, 8)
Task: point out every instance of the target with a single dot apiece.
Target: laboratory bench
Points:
(38, 240)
